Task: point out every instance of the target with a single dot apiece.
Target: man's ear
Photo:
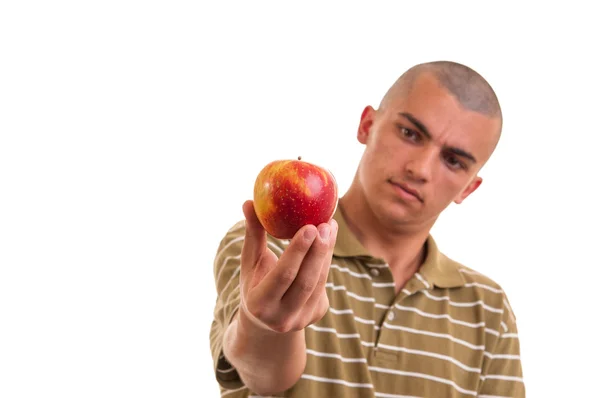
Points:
(468, 190)
(366, 122)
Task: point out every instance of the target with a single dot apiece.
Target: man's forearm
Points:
(267, 362)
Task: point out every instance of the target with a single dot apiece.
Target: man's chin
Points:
(397, 214)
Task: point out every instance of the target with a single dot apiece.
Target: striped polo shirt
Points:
(450, 332)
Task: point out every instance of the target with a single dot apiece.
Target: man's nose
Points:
(420, 166)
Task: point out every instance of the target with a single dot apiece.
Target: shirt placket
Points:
(385, 311)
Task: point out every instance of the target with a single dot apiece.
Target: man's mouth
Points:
(403, 188)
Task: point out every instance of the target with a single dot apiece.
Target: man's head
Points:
(434, 130)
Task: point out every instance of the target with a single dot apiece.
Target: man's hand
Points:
(286, 294)
(266, 342)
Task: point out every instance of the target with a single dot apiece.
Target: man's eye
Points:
(408, 133)
(453, 162)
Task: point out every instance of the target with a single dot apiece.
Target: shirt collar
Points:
(437, 270)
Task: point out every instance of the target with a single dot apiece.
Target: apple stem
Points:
(299, 157)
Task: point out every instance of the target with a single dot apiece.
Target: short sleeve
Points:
(226, 275)
(502, 374)
(227, 281)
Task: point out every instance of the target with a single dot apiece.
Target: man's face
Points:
(423, 151)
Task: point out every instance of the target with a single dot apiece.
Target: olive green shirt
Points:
(450, 332)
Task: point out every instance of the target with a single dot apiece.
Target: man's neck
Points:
(403, 249)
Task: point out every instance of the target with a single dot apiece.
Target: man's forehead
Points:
(437, 114)
(426, 97)
(424, 87)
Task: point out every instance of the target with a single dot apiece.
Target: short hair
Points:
(470, 88)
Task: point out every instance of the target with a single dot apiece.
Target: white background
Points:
(131, 133)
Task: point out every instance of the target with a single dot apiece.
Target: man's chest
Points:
(372, 341)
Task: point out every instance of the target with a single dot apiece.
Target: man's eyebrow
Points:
(417, 123)
(425, 131)
(463, 153)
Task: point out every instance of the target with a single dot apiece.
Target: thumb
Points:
(255, 240)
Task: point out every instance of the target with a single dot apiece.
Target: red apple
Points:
(289, 194)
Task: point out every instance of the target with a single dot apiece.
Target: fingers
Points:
(319, 291)
(312, 275)
(279, 279)
(293, 293)
(255, 240)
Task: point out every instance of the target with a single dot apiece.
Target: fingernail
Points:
(325, 230)
(310, 234)
(334, 225)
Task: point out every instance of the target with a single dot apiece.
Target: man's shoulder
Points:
(491, 290)
(474, 277)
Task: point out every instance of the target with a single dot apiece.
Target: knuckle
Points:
(321, 283)
(306, 286)
(300, 246)
(259, 312)
(287, 276)
(284, 326)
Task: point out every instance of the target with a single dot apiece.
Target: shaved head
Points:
(470, 89)
(436, 127)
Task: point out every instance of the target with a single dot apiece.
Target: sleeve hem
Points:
(225, 373)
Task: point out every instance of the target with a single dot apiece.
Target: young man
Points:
(366, 305)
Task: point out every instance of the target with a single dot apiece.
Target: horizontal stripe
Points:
(364, 321)
(465, 304)
(360, 298)
(440, 316)
(241, 238)
(466, 271)
(424, 376)
(349, 293)
(492, 331)
(501, 377)
(481, 285)
(501, 356)
(348, 271)
(340, 312)
(356, 318)
(341, 335)
(492, 396)
(332, 330)
(383, 395)
(336, 381)
(377, 265)
(384, 284)
(336, 356)
(433, 355)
